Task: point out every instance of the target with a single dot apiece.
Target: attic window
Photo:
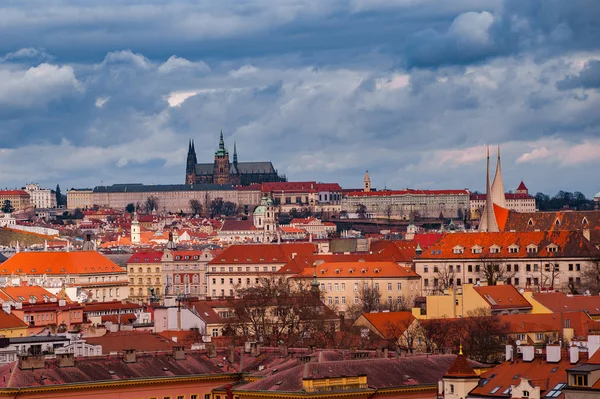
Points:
(235, 259)
(248, 259)
(458, 249)
(187, 257)
(530, 222)
(494, 249)
(584, 221)
(350, 271)
(363, 270)
(322, 271)
(557, 222)
(376, 270)
(178, 257)
(475, 250)
(195, 256)
(337, 271)
(222, 259)
(513, 249)
(532, 249)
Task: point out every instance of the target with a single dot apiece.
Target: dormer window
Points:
(557, 222)
(495, 249)
(376, 270)
(337, 271)
(552, 248)
(513, 249)
(475, 250)
(585, 221)
(530, 222)
(532, 249)
(458, 249)
(363, 270)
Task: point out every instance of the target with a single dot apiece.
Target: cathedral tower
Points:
(221, 166)
(190, 169)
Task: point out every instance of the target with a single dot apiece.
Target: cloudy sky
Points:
(413, 90)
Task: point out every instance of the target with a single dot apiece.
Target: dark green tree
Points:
(130, 207)
(59, 201)
(7, 207)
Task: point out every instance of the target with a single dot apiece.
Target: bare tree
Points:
(369, 300)
(549, 273)
(151, 204)
(196, 206)
(361, 211)
(271, 313)
(445, 277)
(492, 271)
(590, 277)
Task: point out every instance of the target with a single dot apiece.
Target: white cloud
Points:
(127, 57)
(176, 98)
(178, 64)
(100, 101)
(36, 85)
(561, 152)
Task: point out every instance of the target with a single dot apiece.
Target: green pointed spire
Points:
(221, 151)
(234, 153)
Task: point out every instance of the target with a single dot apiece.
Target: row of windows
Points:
(241, 269)
(509, 268)
(342, 286)
(535, 281)
(336, 300)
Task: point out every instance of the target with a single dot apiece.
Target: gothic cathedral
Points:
(224, 172)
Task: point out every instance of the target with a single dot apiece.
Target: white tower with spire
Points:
(367, 183)
(136, 236)
(488, 221)
(498, 186)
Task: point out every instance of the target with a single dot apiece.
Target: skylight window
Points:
(496, 389)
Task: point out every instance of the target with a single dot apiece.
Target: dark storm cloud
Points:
(588, 78)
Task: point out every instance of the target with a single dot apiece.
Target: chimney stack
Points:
(254, 349)
(129, 356)
(32, 362)
(211, 350)
(553, 353)
(509, 353)
(574, 354)
(528, 353)
(66, 359)
(178, 352)
(283, 350)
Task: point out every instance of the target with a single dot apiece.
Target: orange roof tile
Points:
(78, 262)
(383, 269)
(552, 221)
(503, 297)
(382, 321)
(461, 368)
(9, 320)
(25, 293)
(569, 243)
(561, 302)
(262, 253)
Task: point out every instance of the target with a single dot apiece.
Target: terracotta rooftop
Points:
(381, 373)
(382, 321)
(111, 368)
(359, 270)
(550, 221)
(138, 340)
(25, 294)
(560, 302)
(503, 297)
(77, 262)
(262, 253)
(480, 245)
(547, 322)
(387, 193)
(238, 225)
(9, 320)
(461, 368)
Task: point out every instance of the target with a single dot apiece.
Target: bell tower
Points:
(367, 183)
(221, 166)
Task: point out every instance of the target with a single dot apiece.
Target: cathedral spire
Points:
(191, 159)
(234, 153)
(221, 151)
(488, 221)
(498, 197)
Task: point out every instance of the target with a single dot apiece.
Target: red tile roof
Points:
(14, 192)
(387, 193)
(560, 302)
(522, 186)
(503, 297)
(547, 322)
(304, 186)
(140, 341)
(570, 244)
(9, 320)
(78, 262)
(461, 368)
(547, 221)
(237, 225)
(381, 269)
(27, 292)
(262, 253)
(146, 257)
(382, 321)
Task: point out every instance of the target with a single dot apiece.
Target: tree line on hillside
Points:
(563, 200)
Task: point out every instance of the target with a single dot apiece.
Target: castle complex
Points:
(222, 171)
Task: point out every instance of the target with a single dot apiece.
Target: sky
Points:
(101, 92)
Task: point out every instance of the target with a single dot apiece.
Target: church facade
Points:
(222, 171)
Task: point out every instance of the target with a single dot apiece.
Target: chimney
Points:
(129, 356)
(32, 362)
(528, 353)
(231, 357)
(66, 360)
(552, 353)
(509, 353)
(178, 352)
(593, 344)
(211, 350)
(283, 350)
(574, 354)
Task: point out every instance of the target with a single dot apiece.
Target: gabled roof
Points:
(146, 257)
(25, 294)
(382, 321)
(238, 225)
(522, 186)
(547, 322)
(138, 340)
(76, 262)
(503, 297)
(381, 269)
(546, 221)
(9, 320)
(570, 244)
(461, 368)
(262, 253)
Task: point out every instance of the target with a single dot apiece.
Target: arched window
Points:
(195, 279)
(177, 279)
(186, 279)
(148, 270)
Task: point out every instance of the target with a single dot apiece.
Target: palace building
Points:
(222, 171)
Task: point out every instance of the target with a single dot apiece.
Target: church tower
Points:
(488, 221)
(136, 236)
(221, 166)
(367, 183)
(190, 169)
(498, 186)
